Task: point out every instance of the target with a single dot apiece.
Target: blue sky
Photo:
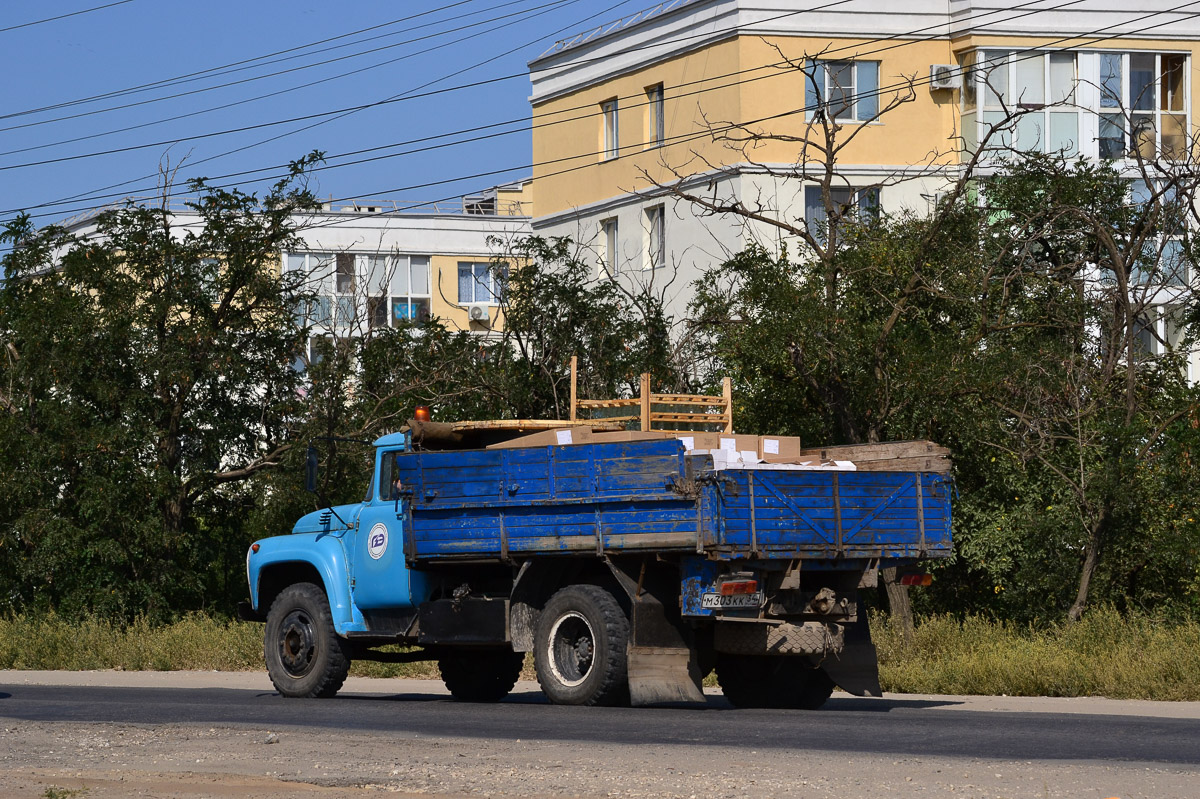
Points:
(442, 44)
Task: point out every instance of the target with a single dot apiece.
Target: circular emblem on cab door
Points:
(377, 541)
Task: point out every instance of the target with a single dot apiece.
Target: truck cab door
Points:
(380, 577)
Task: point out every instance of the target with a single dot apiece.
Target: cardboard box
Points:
(693, 440)
(733, 442)
(778, 446)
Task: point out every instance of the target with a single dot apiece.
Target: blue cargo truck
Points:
(630, 569)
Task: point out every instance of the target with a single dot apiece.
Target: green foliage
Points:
(1011, 328)
(147, 378)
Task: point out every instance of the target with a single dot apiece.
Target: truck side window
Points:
(386, 466)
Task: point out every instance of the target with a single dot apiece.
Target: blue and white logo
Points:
(377, 541)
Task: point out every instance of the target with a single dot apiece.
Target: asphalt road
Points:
(894, 726)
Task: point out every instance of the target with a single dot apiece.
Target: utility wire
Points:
(184, 78)
(481, 23)
(558, 112)
(334, 113)
(1030, 53)
(410, 94)
(63, 16)
(1034, 52)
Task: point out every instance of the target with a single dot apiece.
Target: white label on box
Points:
(729, 444)
(564, 436)
(689, 443)
(770, 446)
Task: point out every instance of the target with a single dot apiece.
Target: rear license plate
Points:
(714, 601)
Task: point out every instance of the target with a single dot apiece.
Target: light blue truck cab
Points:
(629, 569)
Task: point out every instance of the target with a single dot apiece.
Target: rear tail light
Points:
(735, 587)
(917, 579)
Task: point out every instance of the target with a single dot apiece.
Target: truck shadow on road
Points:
(835, 704)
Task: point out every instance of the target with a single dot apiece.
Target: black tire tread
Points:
(330, 674)
(750, 681)
(612, 686)
(481, 675)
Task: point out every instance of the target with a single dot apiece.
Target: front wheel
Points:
(481, 675)
(305, 657)
(580, 648)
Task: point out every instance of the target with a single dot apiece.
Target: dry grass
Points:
(1106, 654)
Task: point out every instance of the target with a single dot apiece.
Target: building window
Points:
(1142, 108)
(855, 205)
(1163, 261)
(608, 110)
(846, 91)
(1042, 87)
(656, 237)
(656, 133)
(397, 289)
(479, 282)
(1137, 104)
(608, 240)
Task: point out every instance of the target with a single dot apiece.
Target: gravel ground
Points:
(107, 761)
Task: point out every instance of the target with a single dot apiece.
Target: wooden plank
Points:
(711, 418)
(645, 400)
(870, 452)
(686, 399)
(610, 403)
(525, 424)
(574, 387)
(938, 465)
(727, 395)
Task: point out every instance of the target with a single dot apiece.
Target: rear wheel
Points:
(581, 641)
(304, 655)
(772, 681)
(481, 675)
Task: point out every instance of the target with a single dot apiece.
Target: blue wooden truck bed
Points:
(624, 497)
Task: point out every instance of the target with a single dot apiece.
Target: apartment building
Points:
(677, 96)
(373, 263)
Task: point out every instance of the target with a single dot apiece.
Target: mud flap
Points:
(661, 657)
(856, 669)
(660, 674)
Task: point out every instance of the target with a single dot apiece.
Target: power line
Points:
(492, 80)
(217, 69)
(334, 113)
(1035, 53)
(410, 94)
(553, 4)
(63, 16)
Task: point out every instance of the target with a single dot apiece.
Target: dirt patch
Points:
(105, 761)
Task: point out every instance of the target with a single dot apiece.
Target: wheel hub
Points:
(572, 648)
(297, 643)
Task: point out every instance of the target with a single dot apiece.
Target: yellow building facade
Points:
(726, 99)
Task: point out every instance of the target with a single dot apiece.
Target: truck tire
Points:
(304, 655)
(772, 681)
(580, 648)
(481, 675)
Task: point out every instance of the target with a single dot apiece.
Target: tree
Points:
(150, 377)
(1090, 347)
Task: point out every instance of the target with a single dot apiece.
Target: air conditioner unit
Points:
(478, 311)
(945, 76)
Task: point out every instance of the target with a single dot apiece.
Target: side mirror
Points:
(310, 470)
